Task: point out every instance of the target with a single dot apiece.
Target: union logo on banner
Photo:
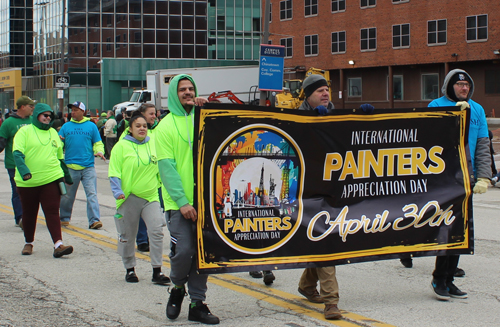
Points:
(257, 179)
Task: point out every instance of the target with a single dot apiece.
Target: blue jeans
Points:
(88, 177)
(142, 233)
(16, 201)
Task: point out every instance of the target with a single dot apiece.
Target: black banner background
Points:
(312, 137)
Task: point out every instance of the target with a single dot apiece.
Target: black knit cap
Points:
(457, 77)
(312, 83)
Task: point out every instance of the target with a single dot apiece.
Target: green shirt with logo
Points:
(42, 150)
(8, 130)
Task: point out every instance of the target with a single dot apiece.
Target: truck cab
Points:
(137, 98)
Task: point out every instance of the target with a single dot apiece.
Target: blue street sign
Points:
(271, 64)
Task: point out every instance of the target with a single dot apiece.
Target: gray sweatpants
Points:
(183, 255)
(132, 210)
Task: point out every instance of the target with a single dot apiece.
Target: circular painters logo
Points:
(256, 185)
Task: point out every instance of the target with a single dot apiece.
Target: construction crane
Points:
(215, 96)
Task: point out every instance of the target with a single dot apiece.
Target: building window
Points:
(401, 36)
(492, 81)
(270, 13)
(311, 45)
(400, 1)
(368, 38)
(117, 46)
(436, 31)
(368, 3)
(430, 86)
(338, 5)
(285, 9)
(108, 46)
(287, 43)
(397, 87)
(137, 37)
(354, 87)
(311, 7)
(477, 28)
(338, 42)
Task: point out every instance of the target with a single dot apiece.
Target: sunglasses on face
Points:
(46, 115)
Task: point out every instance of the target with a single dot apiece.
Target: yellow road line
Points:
(271, 295)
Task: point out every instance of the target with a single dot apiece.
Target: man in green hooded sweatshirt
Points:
(174, 138)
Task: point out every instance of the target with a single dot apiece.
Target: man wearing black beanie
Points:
(317, 95)
(458, 88)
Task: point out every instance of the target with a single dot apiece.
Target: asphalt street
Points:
(88, 288)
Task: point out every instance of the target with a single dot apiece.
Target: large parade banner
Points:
(287, 188)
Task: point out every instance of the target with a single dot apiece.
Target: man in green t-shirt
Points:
(9, 128)
(174, 139)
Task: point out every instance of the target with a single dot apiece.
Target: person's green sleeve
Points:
(98, 147)
(67, 176)
(172, 181)
(3, 143)
(20, 163)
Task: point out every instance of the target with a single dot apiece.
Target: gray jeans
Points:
(183, 255)
(131, 211)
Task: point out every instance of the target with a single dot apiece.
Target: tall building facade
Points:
(391, 53)
(139, 30)
(16, 47)
(16, 35)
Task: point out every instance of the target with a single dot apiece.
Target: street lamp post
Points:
(61, 69)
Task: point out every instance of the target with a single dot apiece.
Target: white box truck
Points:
(240, 80)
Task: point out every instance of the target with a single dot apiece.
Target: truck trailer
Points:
(237, 79)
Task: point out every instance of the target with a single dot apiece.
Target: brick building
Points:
(129, 37)
(367, 45)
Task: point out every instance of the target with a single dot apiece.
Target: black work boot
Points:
(255, 274)
(407, 262)
(200, 312)
(459, 272)
(268, 277)
(175, 302)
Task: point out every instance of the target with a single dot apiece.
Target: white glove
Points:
(463, 105)
(481, 186)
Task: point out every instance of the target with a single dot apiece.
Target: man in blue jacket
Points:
(458, 88)
(81, 143)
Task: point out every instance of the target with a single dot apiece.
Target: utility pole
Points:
(61, 68)
(265, 40)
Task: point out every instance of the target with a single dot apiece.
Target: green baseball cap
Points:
(24, 100)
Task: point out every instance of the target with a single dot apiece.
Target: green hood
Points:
(40, 108)
(153, 126)
(81, 121)
(174, 104)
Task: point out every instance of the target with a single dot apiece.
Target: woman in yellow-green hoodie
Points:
(133, 175)
(40, 168)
